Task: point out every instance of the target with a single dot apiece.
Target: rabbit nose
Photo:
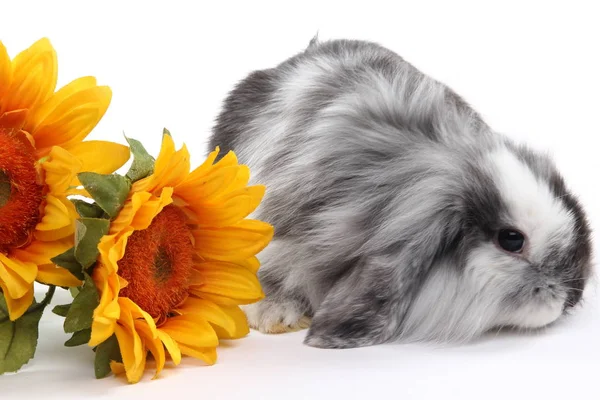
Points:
(545, 288)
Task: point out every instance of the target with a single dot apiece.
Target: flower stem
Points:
(42, 304)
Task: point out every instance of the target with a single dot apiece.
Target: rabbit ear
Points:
(368, 306)
(354, 313)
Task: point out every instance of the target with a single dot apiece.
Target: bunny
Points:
(399, 214)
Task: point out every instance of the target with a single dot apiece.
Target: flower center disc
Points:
(158, 263)
(21, 195)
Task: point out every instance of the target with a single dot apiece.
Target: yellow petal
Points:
(5, 70)
(72, 120)
(206, 354)
(153, 344)
(117, 368)
(34, 77)
(240, 329)
(128, 212)
(100, 332)
(99, 156)
(137, 313)
(225, 283)
(203, 169)
(228, 160)
(134, 356)
(214, 184)
(39, 252)
(61, 168)
(112, 249)
(17, 276)
(108, 311)
(252, 264)
(171, 346)
(208, 311)
(52, 275)
(241, 241)
(191, 330)
(57, 234)
(144, 216)
(230, 209)
(17, 306)
(57, 98)
(170, 169)
(126, 321)
(56, 215)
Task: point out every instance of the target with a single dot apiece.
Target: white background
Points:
(531, 69)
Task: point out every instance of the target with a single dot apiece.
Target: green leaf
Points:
(143, 163)
(106, 352)
(68, 261)
(74, 291)
(88, 232)
(108, 191)
(18, 339)
(79, 338)
(88, 210)
(82, 309)
(61, 310)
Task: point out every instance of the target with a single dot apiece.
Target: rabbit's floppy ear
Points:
(368, 305)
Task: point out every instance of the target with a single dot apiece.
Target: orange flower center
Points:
(158, 263)
(21, 193)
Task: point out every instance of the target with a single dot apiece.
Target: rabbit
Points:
(399, 214)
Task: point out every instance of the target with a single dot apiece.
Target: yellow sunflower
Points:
(41, 151)
(177, 262)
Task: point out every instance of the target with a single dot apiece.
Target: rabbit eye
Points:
(511, 240)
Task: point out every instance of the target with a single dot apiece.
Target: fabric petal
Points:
(203, 169)
(72, 120)
(52, 275)
(17, 276)
(209, 311)
(5, 71)
(206, 354)
(35, 71)
(213, 184)
(137, 313)
(230, 209)
(56, 215)
(99, 156)
(146, 213)
(134, 356)
(108, 311)
(241, 241)
(171, 346)
(241, 328)
(17, 306)
(39, 252)
(252, 264)
(152, 343)
(191, 330)
(225, 283)
(61, 168)
(57, 98)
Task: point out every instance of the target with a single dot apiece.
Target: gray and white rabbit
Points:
(398, 213)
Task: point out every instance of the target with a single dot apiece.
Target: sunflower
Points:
(178, 260)
(41, 152)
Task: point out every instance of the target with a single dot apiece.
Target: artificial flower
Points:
(41, 152)
(177, 261)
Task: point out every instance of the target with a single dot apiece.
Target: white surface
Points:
(531, 69)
